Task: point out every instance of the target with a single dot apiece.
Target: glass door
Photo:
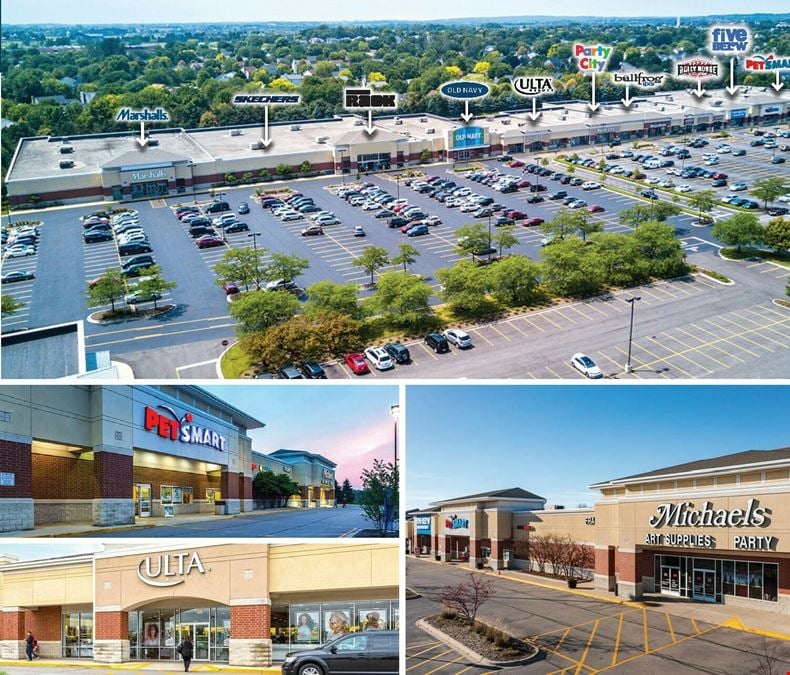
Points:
(200, 634)
(142, 500)
(670, 580)
(704, 585)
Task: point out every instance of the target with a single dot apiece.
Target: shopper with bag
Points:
(31, 646)
(185, 649)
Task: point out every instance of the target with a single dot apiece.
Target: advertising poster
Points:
(337, 621)
(307, 625)
(373, 619)
(151, 634)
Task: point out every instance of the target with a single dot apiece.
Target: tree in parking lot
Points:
(270, 485)
(504, 238)
(566, 222)
(407, 255)
(472, 238)
(585, 225)
(154, 284)
(572, 269)
(514, 280)
(285, 267)
(107, 289)
(380, 495)
(403, 299)
(464, 288)
(768, 189)
(10, 305)
(777, 234)
(742, 229)
(619, 260)
(467, 597)
(703, 201)
(260, 310)
(642, 213)
(327, 296)
(240, 265)
(658, 251)
(372, 259)
(347, 492)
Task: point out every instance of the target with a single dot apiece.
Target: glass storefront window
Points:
(305, 624)
(77, 635)
(756, 581)
(221, 633)
(770, 572)
(395, 622)
(134, 628)
(166, 494)
(337, 620)
(186, 495)
(176, 495)
(86, 635)
(741, 578)
(372, 616)
(150, 637)
(167, 641)
(728, 577)
(280, 629)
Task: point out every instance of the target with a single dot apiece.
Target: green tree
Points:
(777, 234)
(107, 289)
(425, 156)
(642, 213)
(281, 84)
(619, 259)
(283, 169)
(270, 485)
(10, 305)
(260, 310)
(327, 296)
(380, 496)
(658, 250)
(572, 269)
(585, 225)
(514, 281)
(564, 223)
(464, 288)
(284, 266)
(347, 492)
(703, 201)
(472, 238)
(742, 229)
(306, 167)
(154, 284)
(768, 189)
(407, 255)
(240, 265)
(505, 238)
(402, 299)
(372, 259)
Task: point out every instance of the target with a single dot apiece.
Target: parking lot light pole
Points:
(395, 412)
(631, 301)
(254, 236)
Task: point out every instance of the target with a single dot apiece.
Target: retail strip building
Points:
(243, 604)
(113, 167)
(108, 454)
(713, 530)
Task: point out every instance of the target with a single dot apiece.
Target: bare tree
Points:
(538, 552)
(767, 657)
(467, 597)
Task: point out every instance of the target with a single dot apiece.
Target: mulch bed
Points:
(457, 630)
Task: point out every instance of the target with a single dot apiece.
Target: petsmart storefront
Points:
(243, 604)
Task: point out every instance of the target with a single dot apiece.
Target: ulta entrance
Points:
(200, 635)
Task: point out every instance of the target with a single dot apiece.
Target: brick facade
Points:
(15, 458)
(111, 626)
(113, 474)
(245, 487)
(250, 621)
(159, 477)
(62, 477)
(229, 485)
(44, 623)
(626, 566)
(12, 625)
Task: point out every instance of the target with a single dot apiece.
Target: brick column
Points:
(445, 548)
(12, 633)
(16, 501)
(44, 623)
(113, 474)
(604, 568)
(110, 636)
(229, 486)
(496, 561)
(245, 493)
(475, 555)
(434, 542)
(629, 582)
(250, 637)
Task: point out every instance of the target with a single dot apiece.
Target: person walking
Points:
(186, 649)
(31, 646)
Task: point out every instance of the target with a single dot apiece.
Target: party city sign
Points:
(592, 58)
(756, 63)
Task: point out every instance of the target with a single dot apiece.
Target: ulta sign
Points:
(169, 569)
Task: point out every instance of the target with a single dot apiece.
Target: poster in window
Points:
(337, 622)
(306, 624)
(395, 617)
(151, 634)
(187, 495)
(176, 495)
(373, 619)
(166, 494)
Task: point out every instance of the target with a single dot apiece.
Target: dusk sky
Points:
(193, 11)
(557, 440)
(351, 425)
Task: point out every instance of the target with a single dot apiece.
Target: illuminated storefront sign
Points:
(423, 524)
(684, 514)
(467, 137)
(168, 569)
(181, 429)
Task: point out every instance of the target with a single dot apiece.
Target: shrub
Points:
(449, 614)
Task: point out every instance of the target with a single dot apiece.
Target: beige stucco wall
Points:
(575, 523)
(57, 585)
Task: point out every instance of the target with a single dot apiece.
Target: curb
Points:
(736, 624)
(220, 374)
(714, 279)
(137, 665)
(472, 655)
(160, 311)
(778, 302)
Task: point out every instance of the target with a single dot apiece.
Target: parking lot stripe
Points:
(671, 630)
(464, 670)
(698, 348)
(672, 353)
(720, 339)
(633, 358)
(617, 638)
(696, 627)
(762, 330)
(565, 634)
(524, 318)
(422, 644)
(616, 365)
(655, 356)
(417, 665)
(689, 348)
(736, 334)
(429, 352)
(579, 312)
(479, 334)
(444, 665)
(500, 332)
(554, 323)
(587, 649)
(559, 377)
(513, 325)
(428, 649)
(644, 625)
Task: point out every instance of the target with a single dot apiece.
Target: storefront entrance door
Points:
(199, 633)
(705, 585)
(142, 500)
(670, 580)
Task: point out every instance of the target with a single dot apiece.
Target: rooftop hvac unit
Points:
(662, 108)
(66, 149)
(255, 145)
(430, 130)
(397, 121)
(669, 98)
(505, 122)
(358, 123)
(423, 119)
(321, 139)
(153, 141)
(66, 164)
(295, 127)
(717, 103)
(235, 132)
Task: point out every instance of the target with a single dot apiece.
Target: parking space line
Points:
(429, 352)
(524, 318)
(417, 665)
(565, 634)
(736, 334)
(672, 353)
(512, 325)
(616, 365)
(633, 358)
(464, 670)
(423, 644)
(344, 370)
(554, 323)
(590, 305)
(696, 627)
(587, 649)
(428, 649)
(479, 334)
(689, 348)
(559, 312)
(721, 339)
(500, 332)
(762, 328)
(559, 377)
(444, 665)
(655, 356)
(644, 625)
(699, 347)
(617, 638)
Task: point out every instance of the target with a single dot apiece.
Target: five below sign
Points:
(182, 429)
(169, 569)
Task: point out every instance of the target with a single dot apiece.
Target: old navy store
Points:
(243, 604)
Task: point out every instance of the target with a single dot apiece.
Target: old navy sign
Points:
(182, 429)
(468, 137)
(464, 90)
(684, 514)
(169, 569)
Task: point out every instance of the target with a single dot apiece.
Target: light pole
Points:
(395, 412)
(631, 301)
(254, 236)
(397, 182)
(489, 237)
(342, 167)
(389, 511)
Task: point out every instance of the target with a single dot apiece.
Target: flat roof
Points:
(43, 353)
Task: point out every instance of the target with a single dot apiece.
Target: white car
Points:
(712, 161)
(321, 214)
(785, 199)
(291, 215)
(379, 357)
(371, 206)
(327, 220)
(458, 337)
(617, 170)
(462, 192)
(432, 220)
(26, 231)
(468, 207)
(683, 188)
(578, 204)
(19, 251)
(136, 297)
(653, 181)
(225, 218)
(590, 185)
(586, 366)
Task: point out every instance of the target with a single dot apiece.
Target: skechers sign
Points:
(757, 63)
(181, 429)
(729, 39)
(144, 115)
(468, 137)
(464, 90)
(533, 86)
(169, 569)
(592, 58)
(266, 99)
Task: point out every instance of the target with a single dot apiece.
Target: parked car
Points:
(209, 241)
(312, 231)
(201, 231)
(93, 236)
(230, 288)
(135, 270)
(379, 357)
(218, 207)
(137, 297)
(650, 194)
(585, 365)
(19, 251)
(243, 207)
(359, 231)
(357, 363)
(289, 373)
(377, 650)
(590, 185)
(532, 222)
(596, 208)
(312, 370)
(18, 275)
(418, 231)
(398, 352)
(458, 337)
(437, 342)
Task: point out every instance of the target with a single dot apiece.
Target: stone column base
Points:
(250, 652)
(232, 506)
(474, 562)
(16, 513)
(629, 590)
(111, 651)
(107, 512)
(604, 583)
(247, 505)
(12, 649)
(446, 557)
(496, 564)
(50, 650)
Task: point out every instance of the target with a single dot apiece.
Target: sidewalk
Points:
(147, 666)
(76, 529)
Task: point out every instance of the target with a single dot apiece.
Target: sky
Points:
(195, 11)
(351, 425)
(556, 440)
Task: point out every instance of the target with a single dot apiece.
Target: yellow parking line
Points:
(617, 639)
(672, 354)
(652, 295)
(344, 370)
(429, 352)
(669, 623)
(592, 306)
(644, 625)
(562, 639)
(699, 347)
(719, 338)
(736, 334)
(696, 627)
(543, 316)
(689, 348)
(464, 670)
(635, 360)
(417, 665)
(785, 316)
(655, 356)
(578, 311)
(444, 665)
(616, 365)
(500, 332)
(587, 649)
(564, 315)
(423, 644)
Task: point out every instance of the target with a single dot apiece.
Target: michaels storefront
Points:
(242, 604)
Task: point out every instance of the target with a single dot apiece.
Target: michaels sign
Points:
(684, 514)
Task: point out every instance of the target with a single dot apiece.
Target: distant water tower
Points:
(677, 23)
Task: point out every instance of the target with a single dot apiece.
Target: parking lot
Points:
(579, 632)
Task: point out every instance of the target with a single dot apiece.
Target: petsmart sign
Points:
(468, 137)
(422, 524)
(181, 429)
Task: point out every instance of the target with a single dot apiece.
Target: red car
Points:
(515, 215)
(357, 363)
(208, 241)
(595, 208)
(531, 222)
(524, 183)
(515, 163)
(230, 288)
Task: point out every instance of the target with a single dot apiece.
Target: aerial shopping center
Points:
(715, 530)
(112, 166)
(107, 455)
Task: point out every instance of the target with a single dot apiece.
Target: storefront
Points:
(714, 530)
(243, 604)
(314, 473)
